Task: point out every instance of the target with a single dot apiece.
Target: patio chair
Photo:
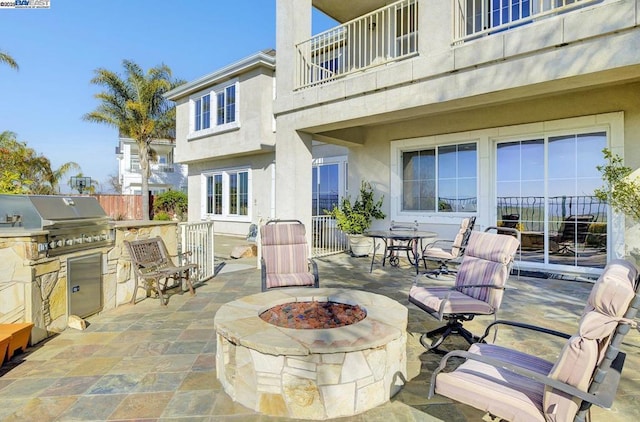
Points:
(478, 288)
(517, 386)
(285, 261)
(393, 247)
(444, 252)
(573, 232)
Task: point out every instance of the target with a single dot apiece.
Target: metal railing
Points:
(382, 36)
(198, 238)
(477, 18)
(530, 210)
(326, 237)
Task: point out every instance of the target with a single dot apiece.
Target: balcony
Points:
(477, 18)
(383, 36)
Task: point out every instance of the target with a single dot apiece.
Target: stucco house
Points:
(226, 133)
(166, 173)
(466, 107)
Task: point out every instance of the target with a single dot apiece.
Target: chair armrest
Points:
(263, 275)
(314, 269)
(525, 326)
(599, 400)
(472, 286)
(438, 242)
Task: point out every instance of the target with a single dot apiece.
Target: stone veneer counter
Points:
(311, 373)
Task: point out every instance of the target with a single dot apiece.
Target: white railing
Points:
(382, 36)
(477, 18)
(198, 238)
(327, 238)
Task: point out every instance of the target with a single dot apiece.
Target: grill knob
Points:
(53, 244)
(60, 242)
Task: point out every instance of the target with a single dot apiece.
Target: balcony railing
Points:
(382, 36)
(477, 18)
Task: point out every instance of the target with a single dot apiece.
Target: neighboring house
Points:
(166, 174)
(225, 132)
(466, 107)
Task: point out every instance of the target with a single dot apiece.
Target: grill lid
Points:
(43, 212)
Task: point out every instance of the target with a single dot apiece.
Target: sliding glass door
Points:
(544, 187)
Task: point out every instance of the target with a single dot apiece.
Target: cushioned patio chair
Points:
(478, 288)
(573, 232)
(517, 386)
(285, 256)
(443, 252)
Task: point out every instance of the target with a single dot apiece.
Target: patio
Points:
(153, 363)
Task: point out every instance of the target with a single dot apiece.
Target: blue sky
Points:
(59, 48)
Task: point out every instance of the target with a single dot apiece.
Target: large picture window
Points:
(545, 188)
(440, 179)
(227, 193)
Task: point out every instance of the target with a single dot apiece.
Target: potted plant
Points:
(354, 218)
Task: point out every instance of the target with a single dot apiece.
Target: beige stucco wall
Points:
(262, 185)
(372, 160)
(254, 97)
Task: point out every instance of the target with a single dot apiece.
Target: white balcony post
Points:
(293, 25)
(435, 18)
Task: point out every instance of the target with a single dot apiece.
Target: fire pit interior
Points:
(311, 315)
(311, 373)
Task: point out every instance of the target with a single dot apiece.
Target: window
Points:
(227, 193)
(545, 186)
(226, 110)
(202, 113)
(208, 118)
(440, 179)
(134, 163)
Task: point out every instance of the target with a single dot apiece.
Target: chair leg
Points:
(452, 327)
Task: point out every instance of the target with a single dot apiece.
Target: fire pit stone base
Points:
(306, 373)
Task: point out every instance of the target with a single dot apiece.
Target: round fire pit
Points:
(311, 373)
(313, 315)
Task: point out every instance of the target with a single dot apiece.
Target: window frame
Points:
(225, 175)
(397, 177)
(230, 123)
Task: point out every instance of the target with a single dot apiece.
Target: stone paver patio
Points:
(153, 363)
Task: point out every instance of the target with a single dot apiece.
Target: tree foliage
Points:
(8, 60)
(172, 203)
(134, 103)
(621, 190)
(24, 171)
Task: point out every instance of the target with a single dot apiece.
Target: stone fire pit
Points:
(311, 373)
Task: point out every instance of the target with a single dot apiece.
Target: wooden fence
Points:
(124, 207)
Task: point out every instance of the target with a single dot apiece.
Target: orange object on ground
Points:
(4, 345)
(20, 333)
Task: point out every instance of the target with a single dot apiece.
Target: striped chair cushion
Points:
(297, 279)
(495, 390)
(609, 299)
(443, 300)
(457, 241)
(475, 271)
(497, 248)
(284, 248)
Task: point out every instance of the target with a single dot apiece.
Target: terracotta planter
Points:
(360, 245)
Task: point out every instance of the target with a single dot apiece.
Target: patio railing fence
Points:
(327, 238)
(198, 238)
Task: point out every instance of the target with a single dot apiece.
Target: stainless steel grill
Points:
(70, 223)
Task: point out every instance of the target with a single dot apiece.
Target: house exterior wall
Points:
(579, 69)
(254, 133)
(262, 185)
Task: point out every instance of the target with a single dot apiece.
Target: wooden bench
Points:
(153, 267)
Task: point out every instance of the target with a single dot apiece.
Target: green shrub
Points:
(162, 216)
(357, 217)
(171, 202)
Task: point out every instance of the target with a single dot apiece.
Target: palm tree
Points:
(135, 105)
(7, 59)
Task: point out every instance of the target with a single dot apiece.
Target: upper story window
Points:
(224, 115)
(440, 179)
(226, 110)
(202, 118)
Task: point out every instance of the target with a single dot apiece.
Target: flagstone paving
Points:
(146, 362)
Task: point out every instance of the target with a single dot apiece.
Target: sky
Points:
(58, 50)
